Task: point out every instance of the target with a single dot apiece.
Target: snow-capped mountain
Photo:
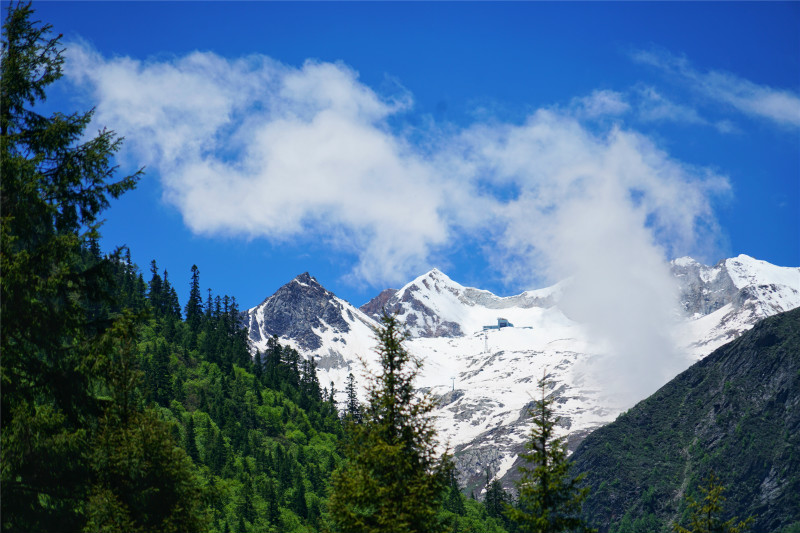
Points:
(483, 374)
(312, 320)
(725, 300)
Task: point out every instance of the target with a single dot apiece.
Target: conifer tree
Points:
(496, 498)
(194, 306)
(156, 289)
(550, 500)
(191, 443)
(55, 183)
(392, 479)
(352, 409)
(454, 501)
(299, 505)
(707, 514)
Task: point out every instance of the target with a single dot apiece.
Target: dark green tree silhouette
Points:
(550, 500)
(706, 515)
(496, 498)
(194, 306)
(352, 410)
(392, 479)
(454, 500)
(142, 481)
(54, 186)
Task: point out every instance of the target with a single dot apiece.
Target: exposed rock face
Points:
(295, 311)
(413, 305)
(375, 307)
(725, 300)
(703, 289)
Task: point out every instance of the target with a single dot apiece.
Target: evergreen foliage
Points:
(496, 500)
(706, 514)
(550, 499)
(53, 189)
(392, 479)
(118, 414)
(352, 410)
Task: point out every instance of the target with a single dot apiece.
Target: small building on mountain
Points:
(501, 323)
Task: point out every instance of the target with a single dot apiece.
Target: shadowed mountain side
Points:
(736, 412)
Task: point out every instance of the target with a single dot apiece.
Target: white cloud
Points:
(254, 148)
(604, 211)
(779, 105)
(601, 103)
(656, 107)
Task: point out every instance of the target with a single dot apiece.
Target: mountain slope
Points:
(736, 412)
(483, 377)
(724, 300)
(311, 319)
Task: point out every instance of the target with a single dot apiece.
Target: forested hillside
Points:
(735, 413)
(122, 409)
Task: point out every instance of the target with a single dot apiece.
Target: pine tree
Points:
(496, 498)
(161, 383)
(194, 306)
(352, 409)
(156, 289)
(707, 514)
(55, 183)
(172, 306)
(299, 505)
(392, 480)
(191, 440)
(550, 500)
(454, 501)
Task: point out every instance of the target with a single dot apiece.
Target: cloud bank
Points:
(258, 149)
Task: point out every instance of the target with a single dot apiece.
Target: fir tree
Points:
(191, 440)
(299, 505)
(706, 515)
(156, 289)
(194, 306)
(392, 480)
(454, 501)
(496, 498)
(550, 500)
(55, 183)
(352, 409)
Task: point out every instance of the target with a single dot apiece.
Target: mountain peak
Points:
(306, 279)
(684, 261)
(433, 280)
(295, 311)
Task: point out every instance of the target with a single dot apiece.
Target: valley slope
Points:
(736, 412)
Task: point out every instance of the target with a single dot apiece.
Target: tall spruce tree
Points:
(194, 306)
(352, 410)
(79, 451)
(54, 186)
(392, 480)
(550, 500)
(496, 498)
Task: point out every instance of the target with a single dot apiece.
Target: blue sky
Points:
(508, 144)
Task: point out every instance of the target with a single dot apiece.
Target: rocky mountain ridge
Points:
(483, 377)
(736, 412)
